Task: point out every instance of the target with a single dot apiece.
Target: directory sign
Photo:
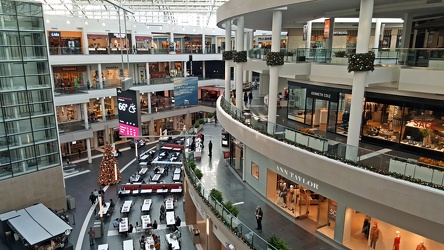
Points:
(185, 91)
(129, 112)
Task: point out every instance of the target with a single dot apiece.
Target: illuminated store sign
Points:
(129, 112)
(54, 34)
(297, 178)
(423, 124)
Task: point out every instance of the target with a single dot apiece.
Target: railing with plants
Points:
(409, 170)
(225, 212)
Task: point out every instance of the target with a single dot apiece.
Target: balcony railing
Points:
(384, 164)
(237, 227)
(427, 57)
(114, 51)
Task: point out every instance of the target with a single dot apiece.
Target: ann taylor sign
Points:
(297, 178)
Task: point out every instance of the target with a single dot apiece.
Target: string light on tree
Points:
(109, 173)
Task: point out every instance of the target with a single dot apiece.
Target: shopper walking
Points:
(250, 97)
(91, 235)
(245, 99)
(80, 152)
(259, 214)
(210, 148)
(92, 198)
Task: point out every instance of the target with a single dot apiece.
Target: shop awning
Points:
(37, 223)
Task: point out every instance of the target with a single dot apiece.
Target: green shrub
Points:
(277, 243)
(196, 125)
(198, 173)
(209, 115)
(232, 209)
(217, 195)
(192, 165)
(201, 121)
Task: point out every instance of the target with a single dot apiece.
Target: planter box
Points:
(339, 60)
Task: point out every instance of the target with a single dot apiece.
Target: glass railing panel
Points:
(428, 172)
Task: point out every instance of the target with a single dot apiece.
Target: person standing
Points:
(92, 198)
(259, 214)
(91, 235)
(250, 97)
(210, 148)
(79, 151)
(374, 235)
(245, 99)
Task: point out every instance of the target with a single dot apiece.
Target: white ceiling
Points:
(300, 12)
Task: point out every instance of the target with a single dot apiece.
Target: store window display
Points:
(421, 246)
(374, 235)
(397, 241)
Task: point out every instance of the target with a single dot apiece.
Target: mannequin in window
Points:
(374, 235)
(292, 198)
(421, 246)
(284, 194)
(397, 241)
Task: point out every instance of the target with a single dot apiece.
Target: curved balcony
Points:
(373, 185)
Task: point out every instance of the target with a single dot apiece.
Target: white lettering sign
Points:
(299, 179)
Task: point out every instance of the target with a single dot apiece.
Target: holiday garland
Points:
(361, 62)
(226, 108)
(227, 55)
(240, 56)
(275, 59)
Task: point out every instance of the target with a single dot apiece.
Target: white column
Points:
(88, 72)
(85, 41)
(359, 79)
(85, 114)
(250, 46)
(151, 127)
(102, 103)
(244, 73)
(274, 71)
(343, 223)
(185, 69)
(239, 67)
(406, 30)
(203, 45)
(227, 63)
(147, 77)
(377, 34)
(203, 69)
(88, 149)
(149, 102)
(307, 42)
(99, 69)
(172, 41)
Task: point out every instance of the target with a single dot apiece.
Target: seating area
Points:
(159, 188)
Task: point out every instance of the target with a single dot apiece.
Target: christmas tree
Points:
(108, 166)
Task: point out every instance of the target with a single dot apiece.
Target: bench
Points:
(151, 188)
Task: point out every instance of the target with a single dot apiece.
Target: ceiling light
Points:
(194, 29)
(103, 24)
(86, 23)
(68, 22)
(160, 27)
(47, 21)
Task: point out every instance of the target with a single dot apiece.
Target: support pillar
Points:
(85, 42)
(149, 102)
(204, 46)
(264, 84)
(359, 80)
(377, 34)
(151, 127)
(203, 69)
(190, 209)
(405, 39)
(188, 120)
(343, 223)
(239, 67)
(227, 63)
(85, 115)
(88, 72)
(99, 69)
(147, 73)
(308, 41)
(184, 69)
(274, 71)
(174, 44)
(88, 149)
(102, 103)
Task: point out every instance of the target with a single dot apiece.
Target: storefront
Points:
(95, 107)
(193, 44)
(210, 94)
(304, 198)
(264, 42)
(110, 75)
(69, 76)
(143, 44)
(65, 42)
(162, 43)
(98, 43)
(410, 124)
(68, 113)
(118, 42)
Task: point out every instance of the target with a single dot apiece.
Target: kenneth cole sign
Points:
(323, 94)
(297, 178)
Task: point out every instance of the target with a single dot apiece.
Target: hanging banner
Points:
(129, 112)
(185, 91)
(326, 28)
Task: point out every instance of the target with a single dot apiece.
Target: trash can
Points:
(71, 202)
(196, 238)
(97, 229)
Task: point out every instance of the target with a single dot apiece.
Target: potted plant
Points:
(216, 195)
(288, 56)
(209, 117)
(340, 53)
(426, 134)
(277, 243)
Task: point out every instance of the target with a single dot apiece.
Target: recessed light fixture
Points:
(86, 23)
(103, 24)
(47, 21)
(68, 22)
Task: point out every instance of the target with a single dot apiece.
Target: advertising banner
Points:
(327, 28)
(185, 91)
(129, 112)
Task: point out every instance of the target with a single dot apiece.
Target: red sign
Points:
(327, 28)
(423, 124)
